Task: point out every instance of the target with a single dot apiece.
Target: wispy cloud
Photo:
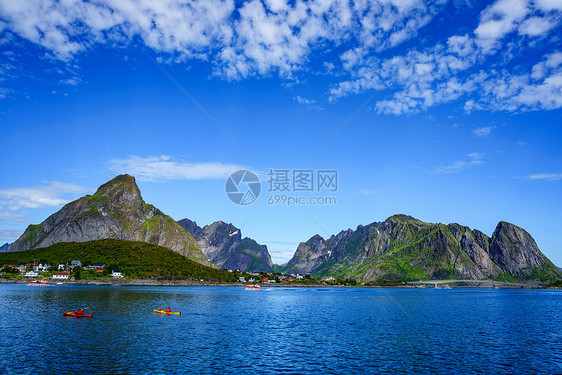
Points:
(13, 216)
(311, 103)
(546, 176)
(367, 192)
(163, 168)
(73, 81)
(281, 256)
(483, 131)
(301, 100)
(473, 159)
(9, 234)
(446, 72)
(50, 195)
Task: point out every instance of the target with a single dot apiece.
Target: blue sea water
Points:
(225, 330)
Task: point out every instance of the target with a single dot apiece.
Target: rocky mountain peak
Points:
(117, 211)
(5, 248)
(121, 183)
(121, 190)
(514, 250)
(402, 247)
(222, 243)
(315, 240)
(401, 218)
(191, 226)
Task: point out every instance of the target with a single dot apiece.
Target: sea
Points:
(230, 330)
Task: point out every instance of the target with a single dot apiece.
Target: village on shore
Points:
(97, 273)
(74, 272)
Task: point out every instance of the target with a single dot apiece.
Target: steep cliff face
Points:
(223, 245)
(5, 248)
(515, 252)
(475, 244)
(402, 247)
(309, 256)
(116, 210)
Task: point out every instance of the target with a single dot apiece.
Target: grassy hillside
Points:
(136, 259)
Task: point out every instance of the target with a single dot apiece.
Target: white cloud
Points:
(4, 92)
(301, 100)
(483, 131)
(474, 159)
(256, 38)
(461, 45)
(74, 81)
(280, 256)
(547, 5)
(53, 194)
(273, 37)
(536, 26)
(13, 216)
(542, 89)
(310, 103)
(9, 234)
(162, 168)
(260, 38)
(546, 176)
(441, 74)
(499, 19)
(69, 27)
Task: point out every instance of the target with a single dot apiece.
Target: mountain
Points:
(402, 247)
(6, 247)
(117, 211)
(223, 245)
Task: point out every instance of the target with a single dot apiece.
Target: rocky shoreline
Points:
(152, 282)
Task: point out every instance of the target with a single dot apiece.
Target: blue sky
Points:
(448, 111)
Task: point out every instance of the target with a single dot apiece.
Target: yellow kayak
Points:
(167, 313)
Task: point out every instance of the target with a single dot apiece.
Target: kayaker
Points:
(168, 310)
(80, 311)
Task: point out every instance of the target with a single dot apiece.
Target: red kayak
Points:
(76, 315)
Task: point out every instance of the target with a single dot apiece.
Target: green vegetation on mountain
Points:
(403, 248)
(116, 211)
(133, 258)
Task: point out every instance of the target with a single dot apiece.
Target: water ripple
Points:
(279, 330)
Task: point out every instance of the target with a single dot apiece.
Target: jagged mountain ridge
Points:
(5, 248)
(115, 211)
(402, 247)
(222, 244)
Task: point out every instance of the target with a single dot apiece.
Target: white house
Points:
(31, 274)
(76, 263)
(60, 275)
(41, 267)
(116, 273)
(63, 266)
